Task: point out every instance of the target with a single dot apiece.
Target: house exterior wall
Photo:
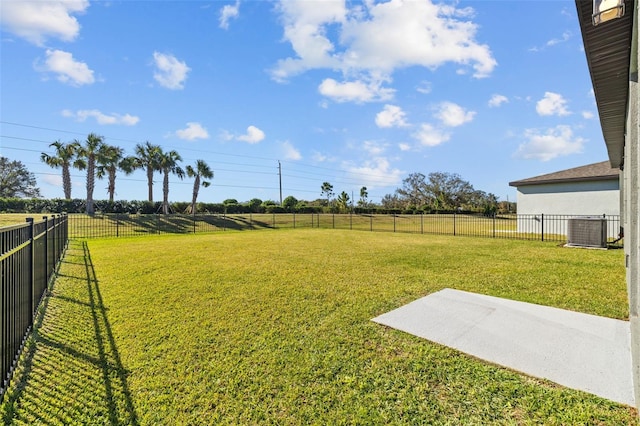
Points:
(571, 198)
(631, 207)
(591, 198)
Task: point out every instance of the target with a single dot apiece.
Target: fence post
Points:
(32, 272)
(294, 220)
(422, 222)
(273, 220)
(46, 248)
(454, 224)
(371, 222)
(117, 225)
(494, 225)
(542, 225)
(394, 222)
(334, 220)
(350, 221)
(194, 223)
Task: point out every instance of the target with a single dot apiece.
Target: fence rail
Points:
(29, 255)
(526, 227)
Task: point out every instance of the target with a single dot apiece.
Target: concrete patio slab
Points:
(576, 350)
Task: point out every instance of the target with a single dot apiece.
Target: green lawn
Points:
(274, 327)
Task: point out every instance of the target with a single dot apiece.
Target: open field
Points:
(502, 226)
(83, 226)
(274, 327)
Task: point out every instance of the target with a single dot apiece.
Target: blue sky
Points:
(353, 93)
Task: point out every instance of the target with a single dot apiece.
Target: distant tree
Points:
(255, 205)
(391, 201)
(200, 172)
(450, 189)
(363, 201)
(147, 156)
(414, 191)
(438, 190)
(64, 158)
(290, 203)
(90, 154)
(16, 181)
(343, 202)
(230, 202)
(112, 160)
(168, 164)
(327, 191)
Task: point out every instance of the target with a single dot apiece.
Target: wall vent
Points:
(587, 232)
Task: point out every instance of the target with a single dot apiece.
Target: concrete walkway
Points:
(576, 350)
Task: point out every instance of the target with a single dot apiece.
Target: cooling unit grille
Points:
(587, 232)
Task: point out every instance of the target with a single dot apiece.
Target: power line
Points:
(182, 148)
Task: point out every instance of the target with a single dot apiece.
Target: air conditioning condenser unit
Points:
(587, 232)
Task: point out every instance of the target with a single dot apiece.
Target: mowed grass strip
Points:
(274, 328)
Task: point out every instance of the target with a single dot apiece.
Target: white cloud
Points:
(497, 100)
(391, 116)
(373, 173)
(404, 146)
(430, 136)
(587, 115)
(229, 12)
(319, 157)
(170, 72)
(453, 115)
(253, 135)
(424, 87)
(374, 148)
(290, 152)
(192, 132)
(102, 118)
(354, 91)
(550, 143)
(375, 39)
(226, 136)
(53, 179)
(35, 21)
(68, 70)
(565, 37)
(552, 104)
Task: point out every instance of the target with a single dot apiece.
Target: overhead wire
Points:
(298, 169)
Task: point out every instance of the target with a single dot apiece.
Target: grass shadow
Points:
(71, 370)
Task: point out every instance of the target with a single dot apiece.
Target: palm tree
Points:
(343, 202)
(168, 163)
(113, 159)
(201, 171)
(147, 158)
(89, 155)
(63, 158)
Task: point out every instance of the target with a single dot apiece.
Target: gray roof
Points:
(608, 50)
(590, 172)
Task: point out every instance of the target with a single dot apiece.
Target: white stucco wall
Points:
(594, 198)
(575, 198)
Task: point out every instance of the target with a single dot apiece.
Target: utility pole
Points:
(280, 179)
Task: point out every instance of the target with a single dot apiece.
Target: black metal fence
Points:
(29, 255)
(526, 227)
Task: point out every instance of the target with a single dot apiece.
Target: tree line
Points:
(435, 192)
(100, 160)
(440, 191)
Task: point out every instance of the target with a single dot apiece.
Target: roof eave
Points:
(566, 180)
(608, 51)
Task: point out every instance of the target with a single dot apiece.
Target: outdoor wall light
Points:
(606, 10)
